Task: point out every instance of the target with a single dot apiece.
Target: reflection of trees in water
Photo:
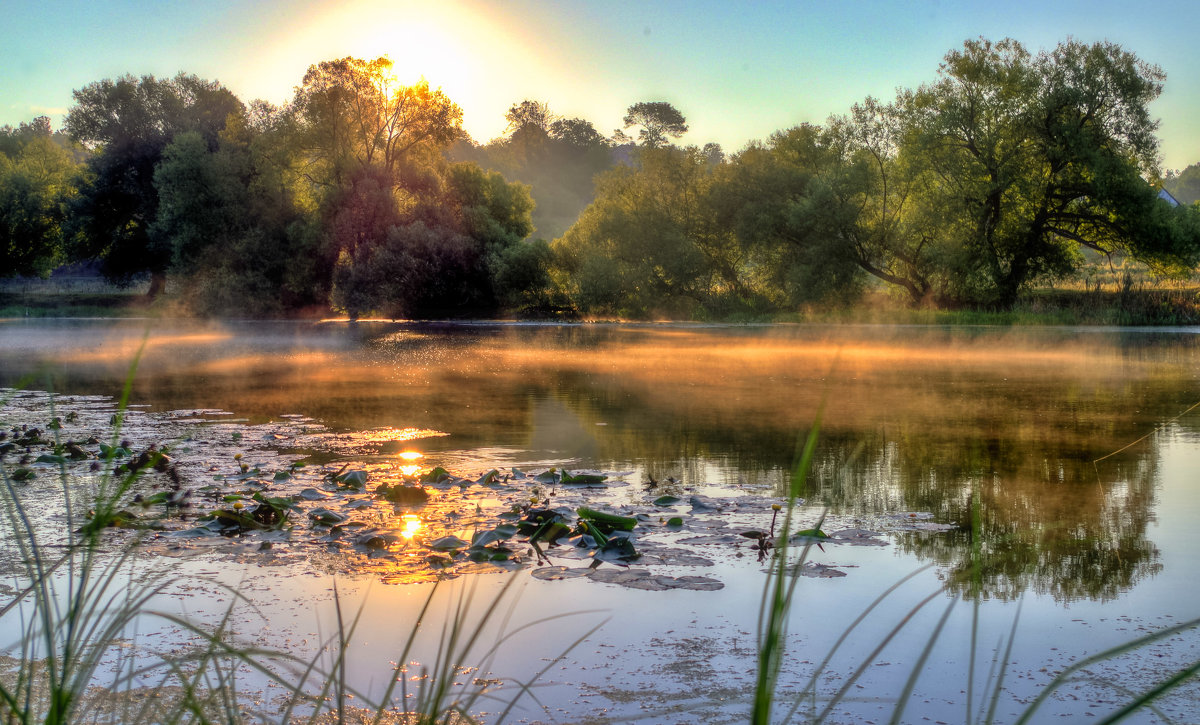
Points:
(1039, 518)
(1049, 519)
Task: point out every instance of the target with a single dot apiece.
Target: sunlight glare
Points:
(412, 525)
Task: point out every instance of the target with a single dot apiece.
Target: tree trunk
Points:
(158, 283)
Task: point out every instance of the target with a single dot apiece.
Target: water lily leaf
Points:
(48, 458)
(352, 479)
(550, 532)
(403, 494)
(435, 476)
(326, 517)
(618, 549)
(376, 539)
(282, 475)
(584, 478)
(666, 500)
(812, 534)
(491, 476)
(448, 543)
(606, 520)
(506, 531)
(554, 573)
(114, 451)
(547, 477)
(675, 522)
(483, 538)
(312, 494)
(23, 474)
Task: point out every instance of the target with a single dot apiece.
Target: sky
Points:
(738, 70)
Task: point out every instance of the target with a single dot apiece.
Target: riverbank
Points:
(1112, 304)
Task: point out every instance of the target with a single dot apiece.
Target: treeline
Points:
(367, 197)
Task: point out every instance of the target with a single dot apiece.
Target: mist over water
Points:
(913, 418)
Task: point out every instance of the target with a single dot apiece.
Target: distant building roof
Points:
(1166, 196)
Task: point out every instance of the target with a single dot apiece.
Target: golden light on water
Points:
(385, 435)
(412, 525)
(412, 468)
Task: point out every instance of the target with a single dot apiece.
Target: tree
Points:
(1023, 158)
(353, 115)
(559, 164)
(577, 133)
(39, 178)
(128, 123)
(437, 258)
(528, 113)
(789, 206)
(649, 243)
(659, 121)
(1184, 185)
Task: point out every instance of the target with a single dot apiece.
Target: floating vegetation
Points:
(299, 493)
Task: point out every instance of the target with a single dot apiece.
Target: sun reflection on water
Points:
(413, 467)
(411, 526)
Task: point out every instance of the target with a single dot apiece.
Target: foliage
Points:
(964, 192)
(129, 123)
(557, 157)
(649, 244)
(352, 115)
(1184, 185)
(1019, 159)
(39, 178)
(438, 258)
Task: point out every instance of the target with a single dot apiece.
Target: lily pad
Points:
(352, 479)
(448, 543)
(581, 478)
(403, 494)
(435, 476)
(555, 573)
(325, 517)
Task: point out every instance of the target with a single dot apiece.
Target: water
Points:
(1074, 451)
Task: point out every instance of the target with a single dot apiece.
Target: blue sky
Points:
(738, 70)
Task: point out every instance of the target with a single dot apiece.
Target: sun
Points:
(481, 62)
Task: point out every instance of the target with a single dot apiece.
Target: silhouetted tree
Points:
(659, 121)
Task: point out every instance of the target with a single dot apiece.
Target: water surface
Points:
(1063, 460)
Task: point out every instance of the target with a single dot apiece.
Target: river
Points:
(1052, 470)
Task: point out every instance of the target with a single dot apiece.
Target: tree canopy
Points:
(657, 122)
(366, 195)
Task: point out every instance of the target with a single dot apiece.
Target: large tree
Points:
(128, 122)
(353, 114)
(650, 243)
(1020, 159)
(438, 257)
(557, 157)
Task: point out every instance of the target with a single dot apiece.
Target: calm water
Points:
(1078, 450)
